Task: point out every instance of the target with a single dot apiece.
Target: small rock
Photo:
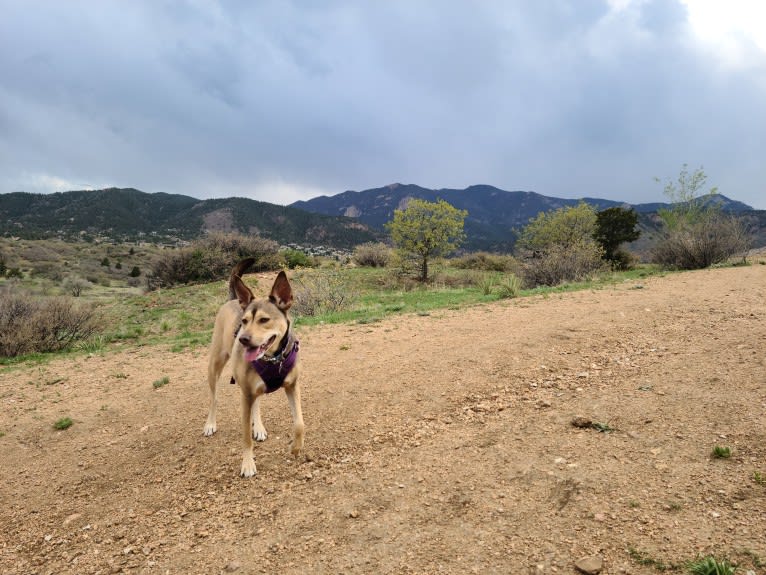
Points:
(232, 566)
(353, 514)
(590, 565)
(582, 422)
(72, 517)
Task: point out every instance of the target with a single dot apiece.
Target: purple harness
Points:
(273, 370)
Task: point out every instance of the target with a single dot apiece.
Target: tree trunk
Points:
(424, 270)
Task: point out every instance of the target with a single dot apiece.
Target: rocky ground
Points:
(466, 441)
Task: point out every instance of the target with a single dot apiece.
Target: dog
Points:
(256, 334)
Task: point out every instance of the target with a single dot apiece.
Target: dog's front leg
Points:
(248, 462)
(294, 400)
(259, 430)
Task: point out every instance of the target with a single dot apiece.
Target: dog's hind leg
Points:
(259, 430)
(294, 400)
(214, 367)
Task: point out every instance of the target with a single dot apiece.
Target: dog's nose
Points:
(244, 339)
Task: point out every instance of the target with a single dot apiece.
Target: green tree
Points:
(135, 272)
(559, 246)
(426, 230)
(613, 227)
(689, 203)
(696, 232)
(562, 228)
(105, 262)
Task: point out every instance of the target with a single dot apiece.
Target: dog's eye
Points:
(244, 321)
(263, 320)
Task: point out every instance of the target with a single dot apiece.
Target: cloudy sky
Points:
(287, 100)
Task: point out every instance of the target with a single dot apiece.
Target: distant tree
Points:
(75, 285)
(613, 227)
(562, 228)
(3, 267)
(135, 272)
(118, 266)
(132, 251)
(696, 232)
(105, 262)
(559, 246)
(425, 230)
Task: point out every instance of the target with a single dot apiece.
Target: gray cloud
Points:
(285, 100)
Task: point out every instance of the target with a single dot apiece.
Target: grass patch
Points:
(721, 452)
(158, 383)
(711, 566)
(63, 423)
(644, 559)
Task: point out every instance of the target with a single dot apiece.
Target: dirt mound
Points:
(438, 444)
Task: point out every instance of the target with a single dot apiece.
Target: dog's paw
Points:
(260, 434)
(209, 429)
(248, 467)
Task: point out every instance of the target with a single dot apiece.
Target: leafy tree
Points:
(696, 232)
(689, 204)
(613, 227)
(562, 228)
(105, 262)
(425, 230)
(118, 265)
(135, 272)
(559, 246)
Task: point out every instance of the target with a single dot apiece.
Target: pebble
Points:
(590, 565)
(232, 566)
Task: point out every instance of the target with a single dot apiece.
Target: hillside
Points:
(493, 214)
(129, 214)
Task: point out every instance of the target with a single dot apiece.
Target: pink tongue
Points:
(254, 353)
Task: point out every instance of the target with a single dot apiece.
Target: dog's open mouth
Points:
(255, 353)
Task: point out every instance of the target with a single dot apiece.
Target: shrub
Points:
(297, 259)
(510, 287)
(213, 259)
(38, 325)
(135, 272)
(63, 423)
(486, 261)
(561, 264)
(75, 285)
(711, 566)
(318, 293)
(702, 243)
(372, 255)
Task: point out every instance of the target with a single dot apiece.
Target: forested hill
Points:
(129, 214)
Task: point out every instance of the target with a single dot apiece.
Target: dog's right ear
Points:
(243, 293)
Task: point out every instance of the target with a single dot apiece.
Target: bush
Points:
(559, 264)
(700, 244)
(39, 325)
(75, 285)
(318, 293)
(486, 261)
(372, 255)
(213, 259)
(297, 259)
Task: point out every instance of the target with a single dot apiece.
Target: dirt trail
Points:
(434, 444)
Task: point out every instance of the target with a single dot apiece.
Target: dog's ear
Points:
(243, 293)
(281, 292)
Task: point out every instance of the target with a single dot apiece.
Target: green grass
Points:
(721, 452)
(161, 382)
(182, 318)
(711, 566)
(63, 423)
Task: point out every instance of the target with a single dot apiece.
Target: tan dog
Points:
(256, 335)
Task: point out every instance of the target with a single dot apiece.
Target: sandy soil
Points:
(434, 444)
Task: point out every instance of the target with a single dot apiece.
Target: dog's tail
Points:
(240, 269)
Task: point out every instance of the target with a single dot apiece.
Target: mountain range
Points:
(493, 214)
(341, 221)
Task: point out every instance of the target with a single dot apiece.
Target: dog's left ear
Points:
(281, 292)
